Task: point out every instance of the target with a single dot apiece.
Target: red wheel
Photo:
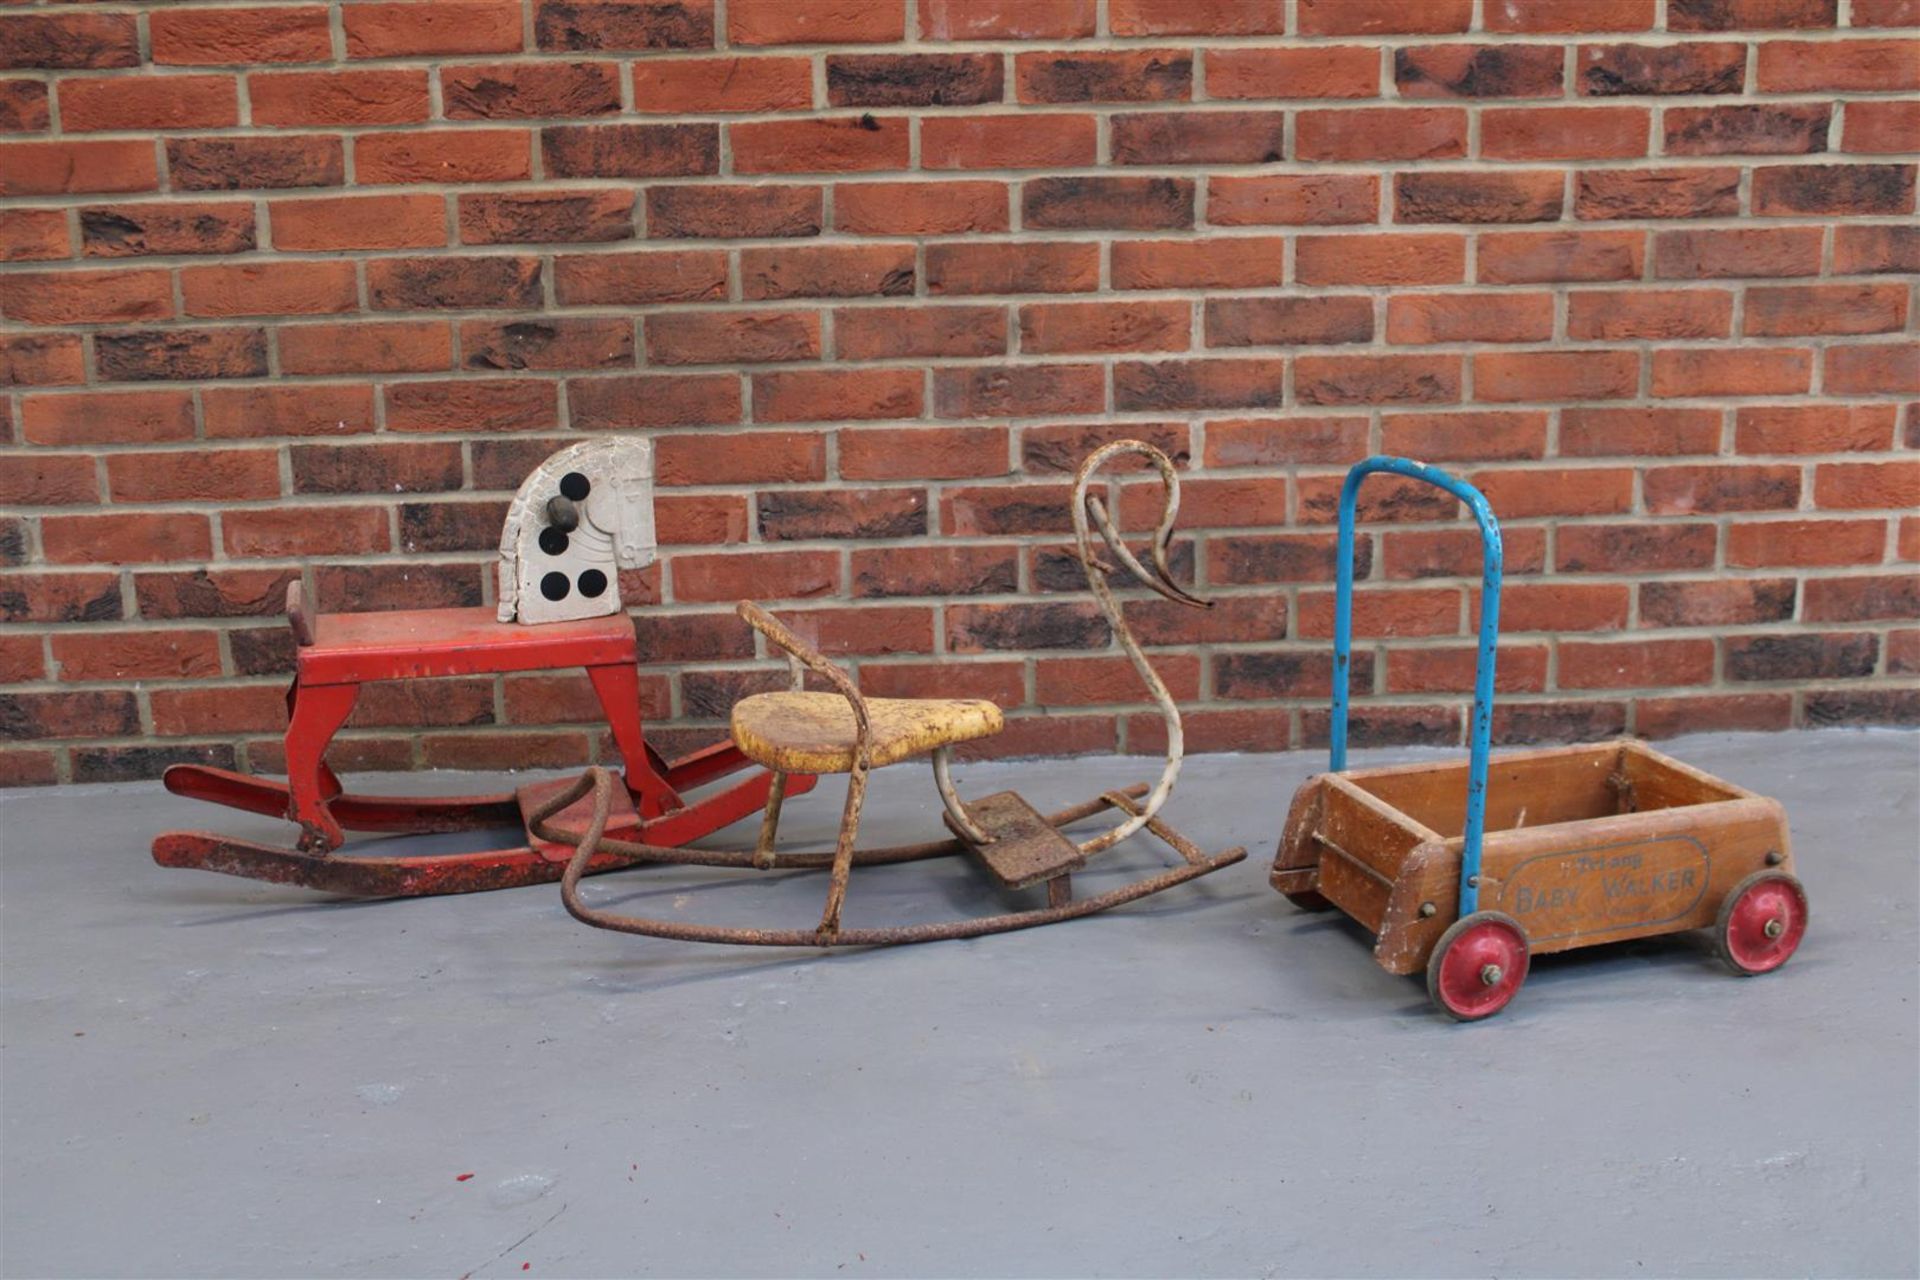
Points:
(1761, 922)
(1478, 965)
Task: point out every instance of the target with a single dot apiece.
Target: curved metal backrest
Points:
(1481, 735)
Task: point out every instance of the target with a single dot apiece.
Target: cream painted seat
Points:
(816, 732)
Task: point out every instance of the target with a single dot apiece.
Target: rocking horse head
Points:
(582, 516)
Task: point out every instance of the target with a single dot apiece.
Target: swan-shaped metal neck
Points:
(1089, 511)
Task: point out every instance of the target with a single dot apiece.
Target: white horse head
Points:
(582, 516)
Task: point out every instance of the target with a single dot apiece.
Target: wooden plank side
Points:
(1524, 789)
(1365, 829)
(1355, 888)
(1296, 861)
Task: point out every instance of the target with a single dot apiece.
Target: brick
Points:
(1563, 133)
(1242, 442)
(1609, 315)
(240, 164)
(1757, 372)
(766, 575)
(1209, 502)
(359, 222)
(282, 288)
(1059, 450)
(107, 417)
(1411, 379)
(474, 404)
(1585, 665)
(1746, 129)
(1037, 141)
(1469, 317)
(1750, 15)
(34, 235)
(1868, 369)
(631, 150)
(204, 474)
(180, 354)
(1850, 599)
(683, 86)
(1198, 384)
(338, 97)
(571, 216)
(1880, 127)
(1824, 656)
(820, 145)
(1132, 18)
(730, 212)
(1070, 682)
(1657, 193)
(1128, 204)
(914, 79)
(23, 105)
(277, 532)
(827, 271)
(1546, 257)
(1638, 548)
(1771, 544)
(448, 155)
(942, 571)
(1568, 491)
(754, 457)
(213, 593)
(145, 538)
(1378, 613)
(891, 333)
(669, 400)
(1019, 391)
(406, 467)
(50, 479)
(521, 91)
(1293, 200)
(404, 346)
(1854, 190)
(944, 453)
(1386, 499)
(1885, 13)
(1823, 708)
(1265, 322)
(69, 41)
(1253, 561)
(1615, 70)
(1826, 428)
(1477, 197)
(1383, 17)
(1380, 133)
(238, 37)
(1479, 436)
(444, 27)
(408, 284)
(1012, 267)
(42, 359)
(148, 103)
(548, 343)
(1556, 375)
(1804, 66)
(1685, 490)
(68, 714)
(1638, 432)
(1057, 328)
(1671, 717)
(791, 515)
(1006, 19)
(60, 597)
(1215, 137)
(1521, 669)
(988, 628)
(1838, 308)
(86, 297)
(137, 655)
(1389, 726)
(577, 25)
(743, 337)
(324, 409)
(178, 227)
(1731, 253)
(1381, 259)
(825, 395)
(1228, 262)
(61, 168)
(1479, 71)
(1867, 485)
(1322, 71)
(1145, 75)
(919, 208)
(845, 22)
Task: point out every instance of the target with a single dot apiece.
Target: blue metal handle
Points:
(1481, 738)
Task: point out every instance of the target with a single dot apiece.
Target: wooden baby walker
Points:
(1466, 871)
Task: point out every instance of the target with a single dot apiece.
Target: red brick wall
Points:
(304, 289)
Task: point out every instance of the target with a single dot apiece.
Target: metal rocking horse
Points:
(799, 734)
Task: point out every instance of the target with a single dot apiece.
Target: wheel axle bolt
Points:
(1490, 974)
(1774, 928)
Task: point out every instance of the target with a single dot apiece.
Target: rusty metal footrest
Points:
(1026, 849)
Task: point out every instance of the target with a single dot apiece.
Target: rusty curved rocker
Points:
(799, 733)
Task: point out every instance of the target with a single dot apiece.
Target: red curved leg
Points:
(318, 711)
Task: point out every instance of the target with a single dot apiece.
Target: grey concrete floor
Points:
(207, 1076)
